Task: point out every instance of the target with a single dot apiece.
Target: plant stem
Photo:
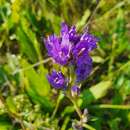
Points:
(112, 55)
(91, 16)
(80, 113)
(109, 12)
(33, 65)
(88, 127)
(109, 106)
(75, 106)
(60, 97)
(67, 119)
(122, 67)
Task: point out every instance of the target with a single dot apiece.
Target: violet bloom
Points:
(73, 36)
(83, 67)
(86, 44)
(73, 48)
(58, 48)
(81, 55)
(57, 80)
(75, 90)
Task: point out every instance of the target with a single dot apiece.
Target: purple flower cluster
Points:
(70, 48)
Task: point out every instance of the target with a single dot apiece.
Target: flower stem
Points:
(60, 97)
(79, 113)
(75, 106)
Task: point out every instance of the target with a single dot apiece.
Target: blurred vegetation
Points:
(26, 99)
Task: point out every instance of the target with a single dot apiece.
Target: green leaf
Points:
(97, 59)
(26, 45)
(114, 123)
(68, 110)
(95, 92)
(32, 18)
(37, 85)
(31, 35)
(5, 126)
(83, 20)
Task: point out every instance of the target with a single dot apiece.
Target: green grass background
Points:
(27, 100)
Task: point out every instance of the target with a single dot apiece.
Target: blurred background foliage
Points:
(26, 99)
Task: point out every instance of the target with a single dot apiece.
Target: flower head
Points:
(57, 80)
(74, 48)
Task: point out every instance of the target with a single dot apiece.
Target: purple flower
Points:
(83, 67)
(89, 40)
(86, 44)
(57, 80)
(81, 57)
(73, 36)
(74, 48)
(58, 48)
(75, 90)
